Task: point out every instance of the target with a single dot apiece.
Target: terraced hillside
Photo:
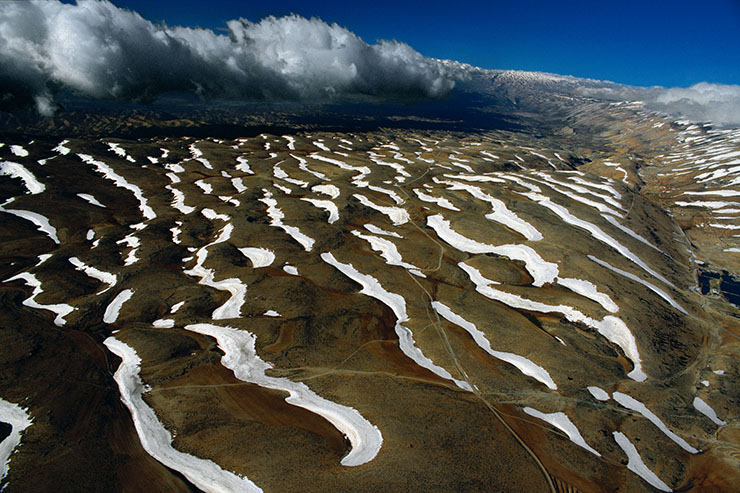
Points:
(389, 310)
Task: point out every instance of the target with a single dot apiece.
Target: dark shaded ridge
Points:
(183, 117)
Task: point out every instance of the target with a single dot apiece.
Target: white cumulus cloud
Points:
(98, 50)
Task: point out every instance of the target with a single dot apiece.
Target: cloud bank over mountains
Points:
(98, 50)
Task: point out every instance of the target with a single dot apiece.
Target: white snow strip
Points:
(541, 271)
(61, 309)
(291, 142)
(242, 164)
(476, 178)
(329, 190)
(523, 364)
(635, 405)
(271, 313)
(19, 419)
(276, 219)
(327, 205)
(563, 423)
(90, 234)
(176, 233)
(120, 181)
(611, 328)
(232, 307)
(397, 215)
(164, 323)
(647, 284)
(595, 231)
(198, 156)
(91, 199)
(635, 463)
(707, 411)
(280, 174)
(154, 437)
(302, 165)
(321, 146)
(102, 276)
(363, 170)
(238, 185)
(618, 225)
(241, 357)
(114, 307)
(440, 201)
(598, 393)
(41, 222)
(709, 204)
(388, 251)
(18, 151)
(176, 307)
(260, 257)
(292, 270)
(15, 170)
(590, 291)
(206, 187)
(722, 193)
(283, 189)
(378, 231)
(61, 148)
(211, 214)
(371, 287)
(501, 214)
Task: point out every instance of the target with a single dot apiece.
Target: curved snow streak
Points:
(648, 285)
(276, 219)
(330, 190)
(589, 290)
(707, 411)
(327, 205)
(635, 405)
(102, 276)
(302, 165)
(280, 174)
(501, 214)
(90, 199)
(595, 231)
(613, 221)
(321, 146)
(393, 195)
(376, 158)
(291, 142)
(562, 422)
(440, 201)
(397, 215)
(109, 174)
(635, 463)
(15, 170)
(155, 438)
(260, 257)
(363, 170)
(378, 231)
(371, 287)
(552, 182)
(61, 309)
(607, 188)
(523, 364)
(610, 327)
(241, 357)
(232, 307)
(206, 187)
(242, 164)
(476, 178)
(19, 419)
(120, 151)
(389, 252)
(198, 156)
(542, 271)
(114, 307)
(132, 242)
(41, 222)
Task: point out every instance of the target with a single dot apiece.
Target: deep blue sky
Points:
(640, 42)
